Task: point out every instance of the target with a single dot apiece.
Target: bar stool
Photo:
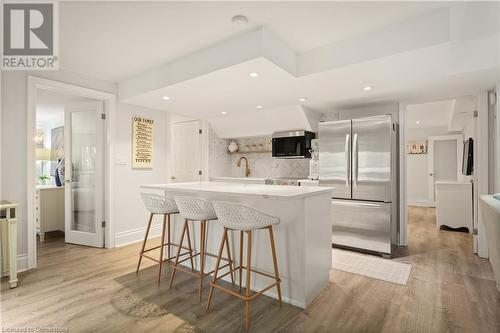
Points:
(235, 216)
(196, 209)
(159, 205)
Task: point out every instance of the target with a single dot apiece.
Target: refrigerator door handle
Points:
(347, 160)
(355, 159)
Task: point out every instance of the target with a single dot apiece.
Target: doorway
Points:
(68, 174)
(435, 135)
(69, 168)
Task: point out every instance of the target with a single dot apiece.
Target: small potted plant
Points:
(43, 179)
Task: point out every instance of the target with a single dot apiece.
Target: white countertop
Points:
(492, 202)
(48, 187)
(452, 182)
(268, 191)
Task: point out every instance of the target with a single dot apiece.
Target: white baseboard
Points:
(136, 235)
(22, 264)
(422, 203)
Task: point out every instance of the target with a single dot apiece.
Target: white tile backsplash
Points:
(223, 164)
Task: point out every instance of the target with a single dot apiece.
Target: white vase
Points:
(233, 146)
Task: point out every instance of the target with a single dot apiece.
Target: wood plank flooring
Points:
(96, 290)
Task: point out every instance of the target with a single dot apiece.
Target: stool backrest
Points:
(158, 204)
(196, 209)
(242, 217)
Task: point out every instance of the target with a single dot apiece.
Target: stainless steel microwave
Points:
(293, 144)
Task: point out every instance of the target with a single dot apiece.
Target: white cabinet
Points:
(49, 209)
(454, 204)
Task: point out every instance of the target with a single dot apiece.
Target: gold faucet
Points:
(247, 169)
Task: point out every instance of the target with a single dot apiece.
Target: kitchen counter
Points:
(238, 189)
(490, 215)
(303, 237)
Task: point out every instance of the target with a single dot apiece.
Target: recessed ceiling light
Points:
(239, 19)
(418, 122)
(302, 99)
(253, 74)
(367, 88)
(259, 106)
(223, 112)
(166, 98)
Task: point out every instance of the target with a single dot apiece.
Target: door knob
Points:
(173, 177)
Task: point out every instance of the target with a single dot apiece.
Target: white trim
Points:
(403, 213)
(497, 141)
(136, 235)
(481, 169)
(109, 99)
(204, 149)
(22, 262)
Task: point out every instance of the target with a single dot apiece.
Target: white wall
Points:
(130, 214)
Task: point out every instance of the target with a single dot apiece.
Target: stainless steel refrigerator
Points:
(358, 158)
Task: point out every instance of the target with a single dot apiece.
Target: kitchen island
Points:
(303, 238)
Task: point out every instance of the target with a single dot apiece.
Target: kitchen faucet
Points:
(247, 169)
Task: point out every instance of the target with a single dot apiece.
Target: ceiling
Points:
(434, 114)
(324, 51)
(116, 40)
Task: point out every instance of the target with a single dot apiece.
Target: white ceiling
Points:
(434, 114)
(325, 51)
(117, 40)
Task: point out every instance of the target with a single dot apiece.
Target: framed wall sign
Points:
(142, 142)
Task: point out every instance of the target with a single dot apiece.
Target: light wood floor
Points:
(96, 290)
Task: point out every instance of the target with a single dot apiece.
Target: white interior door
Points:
(444, 160)
(84, 173)
(186, 151)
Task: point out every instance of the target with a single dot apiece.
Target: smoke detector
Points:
(239, 19)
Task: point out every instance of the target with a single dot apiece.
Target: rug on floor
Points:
(371, 266)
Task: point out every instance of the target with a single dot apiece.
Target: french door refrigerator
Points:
(358, 158)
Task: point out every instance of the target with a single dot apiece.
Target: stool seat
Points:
(238, 216)
(195, 209)
(159, 204)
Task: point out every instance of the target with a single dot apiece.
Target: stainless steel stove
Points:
(283, 181)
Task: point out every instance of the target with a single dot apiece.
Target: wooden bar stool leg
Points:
(178, 254)
(275, 261)
(203, 226)
(168, 238)
(247, 292)
(144, 243)
(229, 258)
(217, 265)
(162, 246)
(240, 272)
(189, 245)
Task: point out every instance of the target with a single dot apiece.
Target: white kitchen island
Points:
(303, 238)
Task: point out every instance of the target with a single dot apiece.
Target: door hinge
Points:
(199, 172)
(103, 224)
(200, 131)
(103, 116)
(475, 113)
(474, 232)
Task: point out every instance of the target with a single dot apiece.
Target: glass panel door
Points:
(84, 169)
